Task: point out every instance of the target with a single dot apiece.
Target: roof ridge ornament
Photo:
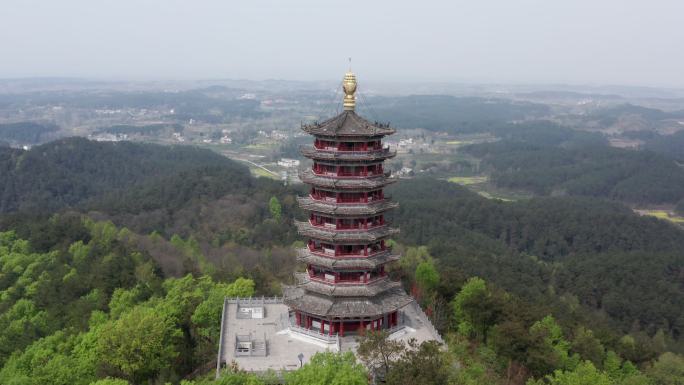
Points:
(349, 87)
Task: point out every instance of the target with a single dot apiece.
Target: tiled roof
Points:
(331, 235)
(306, 256)
(312, 303)
(309, 177)
(348, 123)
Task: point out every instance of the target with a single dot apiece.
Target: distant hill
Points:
(637, 177)
(26, 132)
(71, 171)
(611, 260)
(451, 114)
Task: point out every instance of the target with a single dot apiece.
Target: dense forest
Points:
(122, 282)
(669, 145)
(638, 177)
(213, 105)
(615, 263)
(611, 115)
(148, 129)
(452, 114)
(73, 170)
(26, 132)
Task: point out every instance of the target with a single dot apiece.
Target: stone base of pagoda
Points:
(342, 326)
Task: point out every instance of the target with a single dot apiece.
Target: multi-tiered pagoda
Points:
(346, 287)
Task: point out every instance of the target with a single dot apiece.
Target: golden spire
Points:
(349, 87)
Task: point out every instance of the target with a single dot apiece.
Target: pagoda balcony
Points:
(340, 227)
(360, 174)
(333, 153)
(337, 280)
(348, 201)
(361, 253)
(335, 206)
(334, 182)
(333, 235)
(309, 257)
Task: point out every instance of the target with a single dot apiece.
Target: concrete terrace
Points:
(257, 334)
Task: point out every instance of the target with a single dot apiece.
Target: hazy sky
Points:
(522, 41)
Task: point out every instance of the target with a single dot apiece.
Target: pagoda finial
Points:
(349, 87)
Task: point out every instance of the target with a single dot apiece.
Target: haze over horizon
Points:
(528, 41)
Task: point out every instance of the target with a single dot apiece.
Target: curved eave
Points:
(361, 235)
(309, 177)
(312, 153)
(370, 289)
(330, 307)
(308, 203)
(304, 255)
(348, 124)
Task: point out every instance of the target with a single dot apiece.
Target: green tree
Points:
(584, 374)
(378, 352)
(110, 381)
(424, 364)
(138, 344)
(229, 378)
(668, 370)
(275, 208)
(329, 369)
(549, 349)
(476, 311)
(427, 276)
(587, 346)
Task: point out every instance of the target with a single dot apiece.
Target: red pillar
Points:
(298, 318)
(322, 327)
(341, 328)
(331, 326)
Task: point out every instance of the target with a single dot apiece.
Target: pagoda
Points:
(345, 288)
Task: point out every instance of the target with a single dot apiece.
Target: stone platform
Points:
(258, 335)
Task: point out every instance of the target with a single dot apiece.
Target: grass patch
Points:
(663, 214)
(459, 142)
(490, 196)
(468, 180)
(256, 171)
(259, 146)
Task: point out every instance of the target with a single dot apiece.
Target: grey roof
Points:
(306, 256)
(366, 183)
(346, 209)
(348, 123)
(360, 289)
(341, 236)
(313, 153)
(336, 307)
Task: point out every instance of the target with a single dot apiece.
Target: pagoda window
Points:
(323, 195)
(325, 144)
(320, 168)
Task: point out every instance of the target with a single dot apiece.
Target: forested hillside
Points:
(452, 114)
(125, 279)
(26, 132)
(637, 177)
(668, 145)
(615, 263)
(70, 171)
